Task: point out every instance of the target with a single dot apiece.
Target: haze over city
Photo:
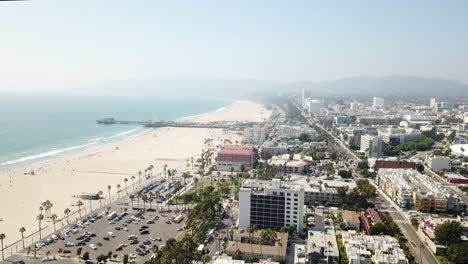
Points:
(70, 46)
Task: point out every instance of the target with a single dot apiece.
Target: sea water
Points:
(35, 128)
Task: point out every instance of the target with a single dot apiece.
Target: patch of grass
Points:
(442, 259)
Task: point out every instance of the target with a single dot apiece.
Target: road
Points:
(407, 230)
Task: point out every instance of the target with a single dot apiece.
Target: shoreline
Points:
(92, 170)
(87, 145)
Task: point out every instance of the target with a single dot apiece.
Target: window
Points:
(296, 195)
(288, 194)
(288, 207)
(295, 208)
(295, 199)
(295, 204)
(289, 199)
(294, 221)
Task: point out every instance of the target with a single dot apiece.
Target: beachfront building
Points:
(372, 146)
(251, 244)
(367, 249)
(270, 204)
(255, 135)
(322, 247)
(411, 189)
(270, 148)
(237, 157)
(442, 163)
(397, 136)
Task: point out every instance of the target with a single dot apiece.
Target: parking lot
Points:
(98, 234)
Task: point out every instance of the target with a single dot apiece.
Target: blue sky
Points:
(46, 42)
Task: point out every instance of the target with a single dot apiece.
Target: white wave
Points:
(49, 153)
(124, 133)
(96, 139)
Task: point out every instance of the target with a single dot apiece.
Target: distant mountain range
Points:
(386, 86)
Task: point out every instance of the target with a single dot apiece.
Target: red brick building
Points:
(395, 164)
(237, 157)
(369, 218)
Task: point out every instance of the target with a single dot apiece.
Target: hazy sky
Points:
(46, 42)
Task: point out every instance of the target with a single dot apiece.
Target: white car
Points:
(93, 246)
(110, 234)
(132, 256)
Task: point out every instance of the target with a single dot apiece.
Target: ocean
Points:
(36, 128)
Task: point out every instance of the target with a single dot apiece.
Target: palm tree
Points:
(139, 177)
(133, 182)
(144, 198)
(109, 188)
(329, 245)
(100, 193)
(165, 170)
(251, 230)
(174, 171)
(67, 213)
(191, 160)
(79, 204)
(185, 175)
(54, 220)
(232, 171)
(125, 182)
(118, 191)
(22, 230)
(131, 199)
(2, 236)
(195, 182)
(39, 218)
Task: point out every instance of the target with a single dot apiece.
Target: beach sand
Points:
(92, 170)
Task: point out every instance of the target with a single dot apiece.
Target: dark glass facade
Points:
(267, 211)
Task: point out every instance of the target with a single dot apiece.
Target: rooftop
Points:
(237, 150)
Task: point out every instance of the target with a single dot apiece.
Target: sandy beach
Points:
(92, 170)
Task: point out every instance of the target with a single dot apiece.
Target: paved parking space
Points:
(100, 228)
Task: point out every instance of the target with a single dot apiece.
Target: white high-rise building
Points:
(378, 102)
(372, 146)
(271, 204)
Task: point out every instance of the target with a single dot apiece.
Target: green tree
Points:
(379, 229)
(448, 233)
(125, 259)
(419, 167)
(458, 253)
(85, 256)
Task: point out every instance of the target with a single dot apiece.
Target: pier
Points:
(216, 124)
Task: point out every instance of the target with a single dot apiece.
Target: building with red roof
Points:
(238, 157)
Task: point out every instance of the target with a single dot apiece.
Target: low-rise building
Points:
(237, 157)
(456, 178)
(293, 131)
(426, 231)
(251, 244)
(270, 148)
(394, 164)
(369, 218)
(411, 189)
(367, 249)
(397, 136)
(322, 247)
(351, 219)
(442, 163)
(460, 149)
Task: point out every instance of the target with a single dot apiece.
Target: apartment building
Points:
(249, 244)
(411, 189)
(369, 218)
(367, 249)
(273, 204)
(397, 136)
(291, 131)
(255, 135)
(322, 247)
(378, 102)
